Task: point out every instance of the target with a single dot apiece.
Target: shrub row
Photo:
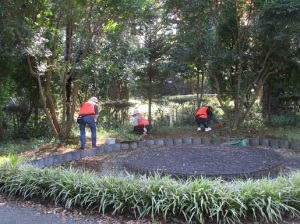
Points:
(197, 200)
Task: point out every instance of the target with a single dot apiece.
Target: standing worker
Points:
(88, 113)
(140, 123)
(204, 116)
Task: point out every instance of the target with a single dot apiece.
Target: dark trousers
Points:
(206, 122)
(202, 121)
(140, 129)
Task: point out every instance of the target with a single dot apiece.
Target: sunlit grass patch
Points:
(19, 146)
(287, 133)
(10, 158)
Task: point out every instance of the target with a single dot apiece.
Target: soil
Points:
(110, 161)
(189, 161)
(54, 149)
(114, 161)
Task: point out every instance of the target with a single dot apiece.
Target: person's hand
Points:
(219, 125)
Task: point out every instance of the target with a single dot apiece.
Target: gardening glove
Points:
(219, 125)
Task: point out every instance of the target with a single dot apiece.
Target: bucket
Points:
(110, 141)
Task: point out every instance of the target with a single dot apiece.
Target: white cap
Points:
(93, 99)
(135, 112)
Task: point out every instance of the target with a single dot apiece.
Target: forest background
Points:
(240, 56)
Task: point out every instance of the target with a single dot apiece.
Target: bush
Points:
(195, 200)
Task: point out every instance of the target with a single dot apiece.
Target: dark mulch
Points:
(228, 162)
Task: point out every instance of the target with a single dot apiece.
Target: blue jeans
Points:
(90, 121)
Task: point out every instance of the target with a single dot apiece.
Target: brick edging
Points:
(79, 154)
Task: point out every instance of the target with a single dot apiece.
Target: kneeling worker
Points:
(204, 116)
(140, 123)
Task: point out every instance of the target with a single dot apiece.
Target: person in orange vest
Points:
(88, 115)
(140, 123)
(204, 116)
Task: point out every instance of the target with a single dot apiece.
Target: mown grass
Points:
(288, 133)
(124, 133)
(284, 133)
(19, 146)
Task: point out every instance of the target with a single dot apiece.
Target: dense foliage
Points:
(55, 54)
(196, 200)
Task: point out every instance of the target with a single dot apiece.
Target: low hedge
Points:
(194, 200)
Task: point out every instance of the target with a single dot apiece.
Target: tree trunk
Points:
(36, 106)
(265, 102)
(198, 90)
(69, 42)
(202, 89)
(149, 97)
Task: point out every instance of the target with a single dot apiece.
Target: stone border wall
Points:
(79, 154)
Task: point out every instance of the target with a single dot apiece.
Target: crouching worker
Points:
(204, 116)
(140, 123)
(88, 115)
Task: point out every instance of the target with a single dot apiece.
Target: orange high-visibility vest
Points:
(143, 121)
(202, 112)
(87, 108)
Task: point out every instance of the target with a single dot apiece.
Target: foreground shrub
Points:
(195, 200)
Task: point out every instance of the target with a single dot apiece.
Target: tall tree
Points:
(238, 43)
(17, 85)
(58, 64)
(248, 48)
(193, 24)
(154, 44)
(281, 91)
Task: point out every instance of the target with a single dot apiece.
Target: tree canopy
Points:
(55, 54)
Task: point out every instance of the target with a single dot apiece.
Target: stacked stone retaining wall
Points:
(79, 154)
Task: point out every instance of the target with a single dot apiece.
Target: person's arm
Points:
(209, 112)
(96, 108)
(213, 118)
(136, 120)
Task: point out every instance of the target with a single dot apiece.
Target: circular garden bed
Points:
(212, 161)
